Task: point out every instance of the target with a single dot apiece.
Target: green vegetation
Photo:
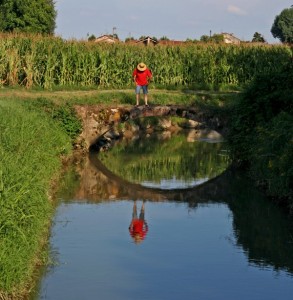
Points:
(258, 38)
(261, 133)
(32, 142)
(283, 26)
(216, 38)
(64, 114)
(47, 62)
(33, 16)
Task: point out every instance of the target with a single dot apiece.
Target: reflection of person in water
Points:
(138, 227)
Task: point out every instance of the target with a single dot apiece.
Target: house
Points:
(106, 39)
(147, 41)
(229, 38)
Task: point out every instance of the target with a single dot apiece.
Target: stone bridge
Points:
(101, 120)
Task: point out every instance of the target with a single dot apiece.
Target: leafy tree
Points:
(258, 38)
(129, 39)
(92, 37)
(217, 38)
(283, 26)
(164, 38)
(204, 38)
(32, 16)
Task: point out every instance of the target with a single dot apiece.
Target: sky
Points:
(174, 19)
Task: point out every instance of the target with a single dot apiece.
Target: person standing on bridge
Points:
(142, 75)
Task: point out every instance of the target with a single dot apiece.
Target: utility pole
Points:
(114, 28)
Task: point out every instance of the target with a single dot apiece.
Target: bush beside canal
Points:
(32, 142)
(261, 133)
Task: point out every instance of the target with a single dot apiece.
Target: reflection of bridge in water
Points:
(261, 229)
(205, 192)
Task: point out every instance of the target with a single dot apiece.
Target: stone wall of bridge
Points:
(101, 121)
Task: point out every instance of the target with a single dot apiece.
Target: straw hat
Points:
(141, 66)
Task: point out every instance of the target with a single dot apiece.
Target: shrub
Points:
(261, 132)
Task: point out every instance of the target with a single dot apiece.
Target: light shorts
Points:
(143, 87)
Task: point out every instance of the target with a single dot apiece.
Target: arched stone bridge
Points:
(98, 120)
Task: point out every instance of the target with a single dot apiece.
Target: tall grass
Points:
(30, 147)
(36, 61)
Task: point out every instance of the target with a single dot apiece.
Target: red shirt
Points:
(138, 227)
(141, 77)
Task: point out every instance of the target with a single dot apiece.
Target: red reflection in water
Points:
(138, 227)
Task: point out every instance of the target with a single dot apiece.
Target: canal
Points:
(164, 217)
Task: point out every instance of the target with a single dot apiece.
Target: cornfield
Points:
(38, 61)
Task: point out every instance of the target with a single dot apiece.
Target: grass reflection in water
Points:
(174, 160)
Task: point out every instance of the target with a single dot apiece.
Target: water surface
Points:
(220, 239)
(187, 253)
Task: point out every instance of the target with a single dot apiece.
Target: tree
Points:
(204, 38)
(32, 16)
(283, 26)
(91, 38)
(129, 39)
(217, 38)
(258, 38)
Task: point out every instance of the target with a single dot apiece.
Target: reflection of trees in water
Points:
(261, 229)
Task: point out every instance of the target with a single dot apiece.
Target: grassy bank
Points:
(31, 147)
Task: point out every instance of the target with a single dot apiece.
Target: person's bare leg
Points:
(146, 99)
(137, 99)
